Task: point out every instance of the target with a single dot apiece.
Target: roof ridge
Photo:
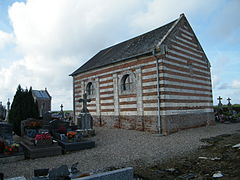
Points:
(139, 35)
(130, 48)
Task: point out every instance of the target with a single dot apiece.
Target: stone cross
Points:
(61, 112)
(8, 105)
(229, 103)
(219, 99)
(85, 100)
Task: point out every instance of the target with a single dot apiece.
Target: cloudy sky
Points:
(43, 41)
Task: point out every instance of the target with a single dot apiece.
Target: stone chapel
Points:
(159, 82)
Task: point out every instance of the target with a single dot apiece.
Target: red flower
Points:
(45, 136)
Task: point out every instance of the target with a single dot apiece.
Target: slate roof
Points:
(139, 45)
(41, 94)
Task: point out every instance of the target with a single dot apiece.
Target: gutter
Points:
(159, 122)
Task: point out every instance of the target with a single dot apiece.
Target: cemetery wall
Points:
(185, 88)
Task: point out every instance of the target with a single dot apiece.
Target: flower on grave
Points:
(71, 134)
(11, 148)
(62, 130)
(35, 124)
(45, 136)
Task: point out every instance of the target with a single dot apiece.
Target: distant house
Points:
(159, 81)
(43, 99)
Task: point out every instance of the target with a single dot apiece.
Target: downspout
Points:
(159, 122)
(74, 110)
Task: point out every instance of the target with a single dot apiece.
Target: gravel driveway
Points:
(118, 148)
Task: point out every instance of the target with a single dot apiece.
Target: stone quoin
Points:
(159, 82)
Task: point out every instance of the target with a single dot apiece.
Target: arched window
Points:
(90, 88)
(126, 83)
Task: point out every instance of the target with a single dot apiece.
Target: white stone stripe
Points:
(149, 90)
(149, 70)
(188, 37)
(107, 107)
(183, 40)
(149, 83)
(106, 84)
(106, 95)
(77, 85)
(76, 81)
(187, 32)
(150, 105)
(149, 76)
(184, 50)
(107, 101)
(190, 47)
(127, 99)
(105, 90)
(78, 94)
(105, 79)
(150, 113)
(128, 106)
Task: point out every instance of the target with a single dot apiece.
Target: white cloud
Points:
(56, 37)
(236, 84)
(5, 39)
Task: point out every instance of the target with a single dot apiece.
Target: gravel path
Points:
(118, 148)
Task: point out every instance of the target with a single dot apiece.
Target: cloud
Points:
(55, 37)
(236, 84)
(5, 39)
(215, 81)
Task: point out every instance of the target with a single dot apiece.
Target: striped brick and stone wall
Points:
(185, 88)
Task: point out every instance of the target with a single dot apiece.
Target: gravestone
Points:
(30, 127)
(36, 141)
(85, 120)
(58, 127)
(6, 132)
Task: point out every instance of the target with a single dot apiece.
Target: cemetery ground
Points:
(153, 157)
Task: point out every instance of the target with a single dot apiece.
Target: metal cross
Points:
(84, 101)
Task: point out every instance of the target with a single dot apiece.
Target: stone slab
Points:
(33, 152)
(76, 146)
(119, 174)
